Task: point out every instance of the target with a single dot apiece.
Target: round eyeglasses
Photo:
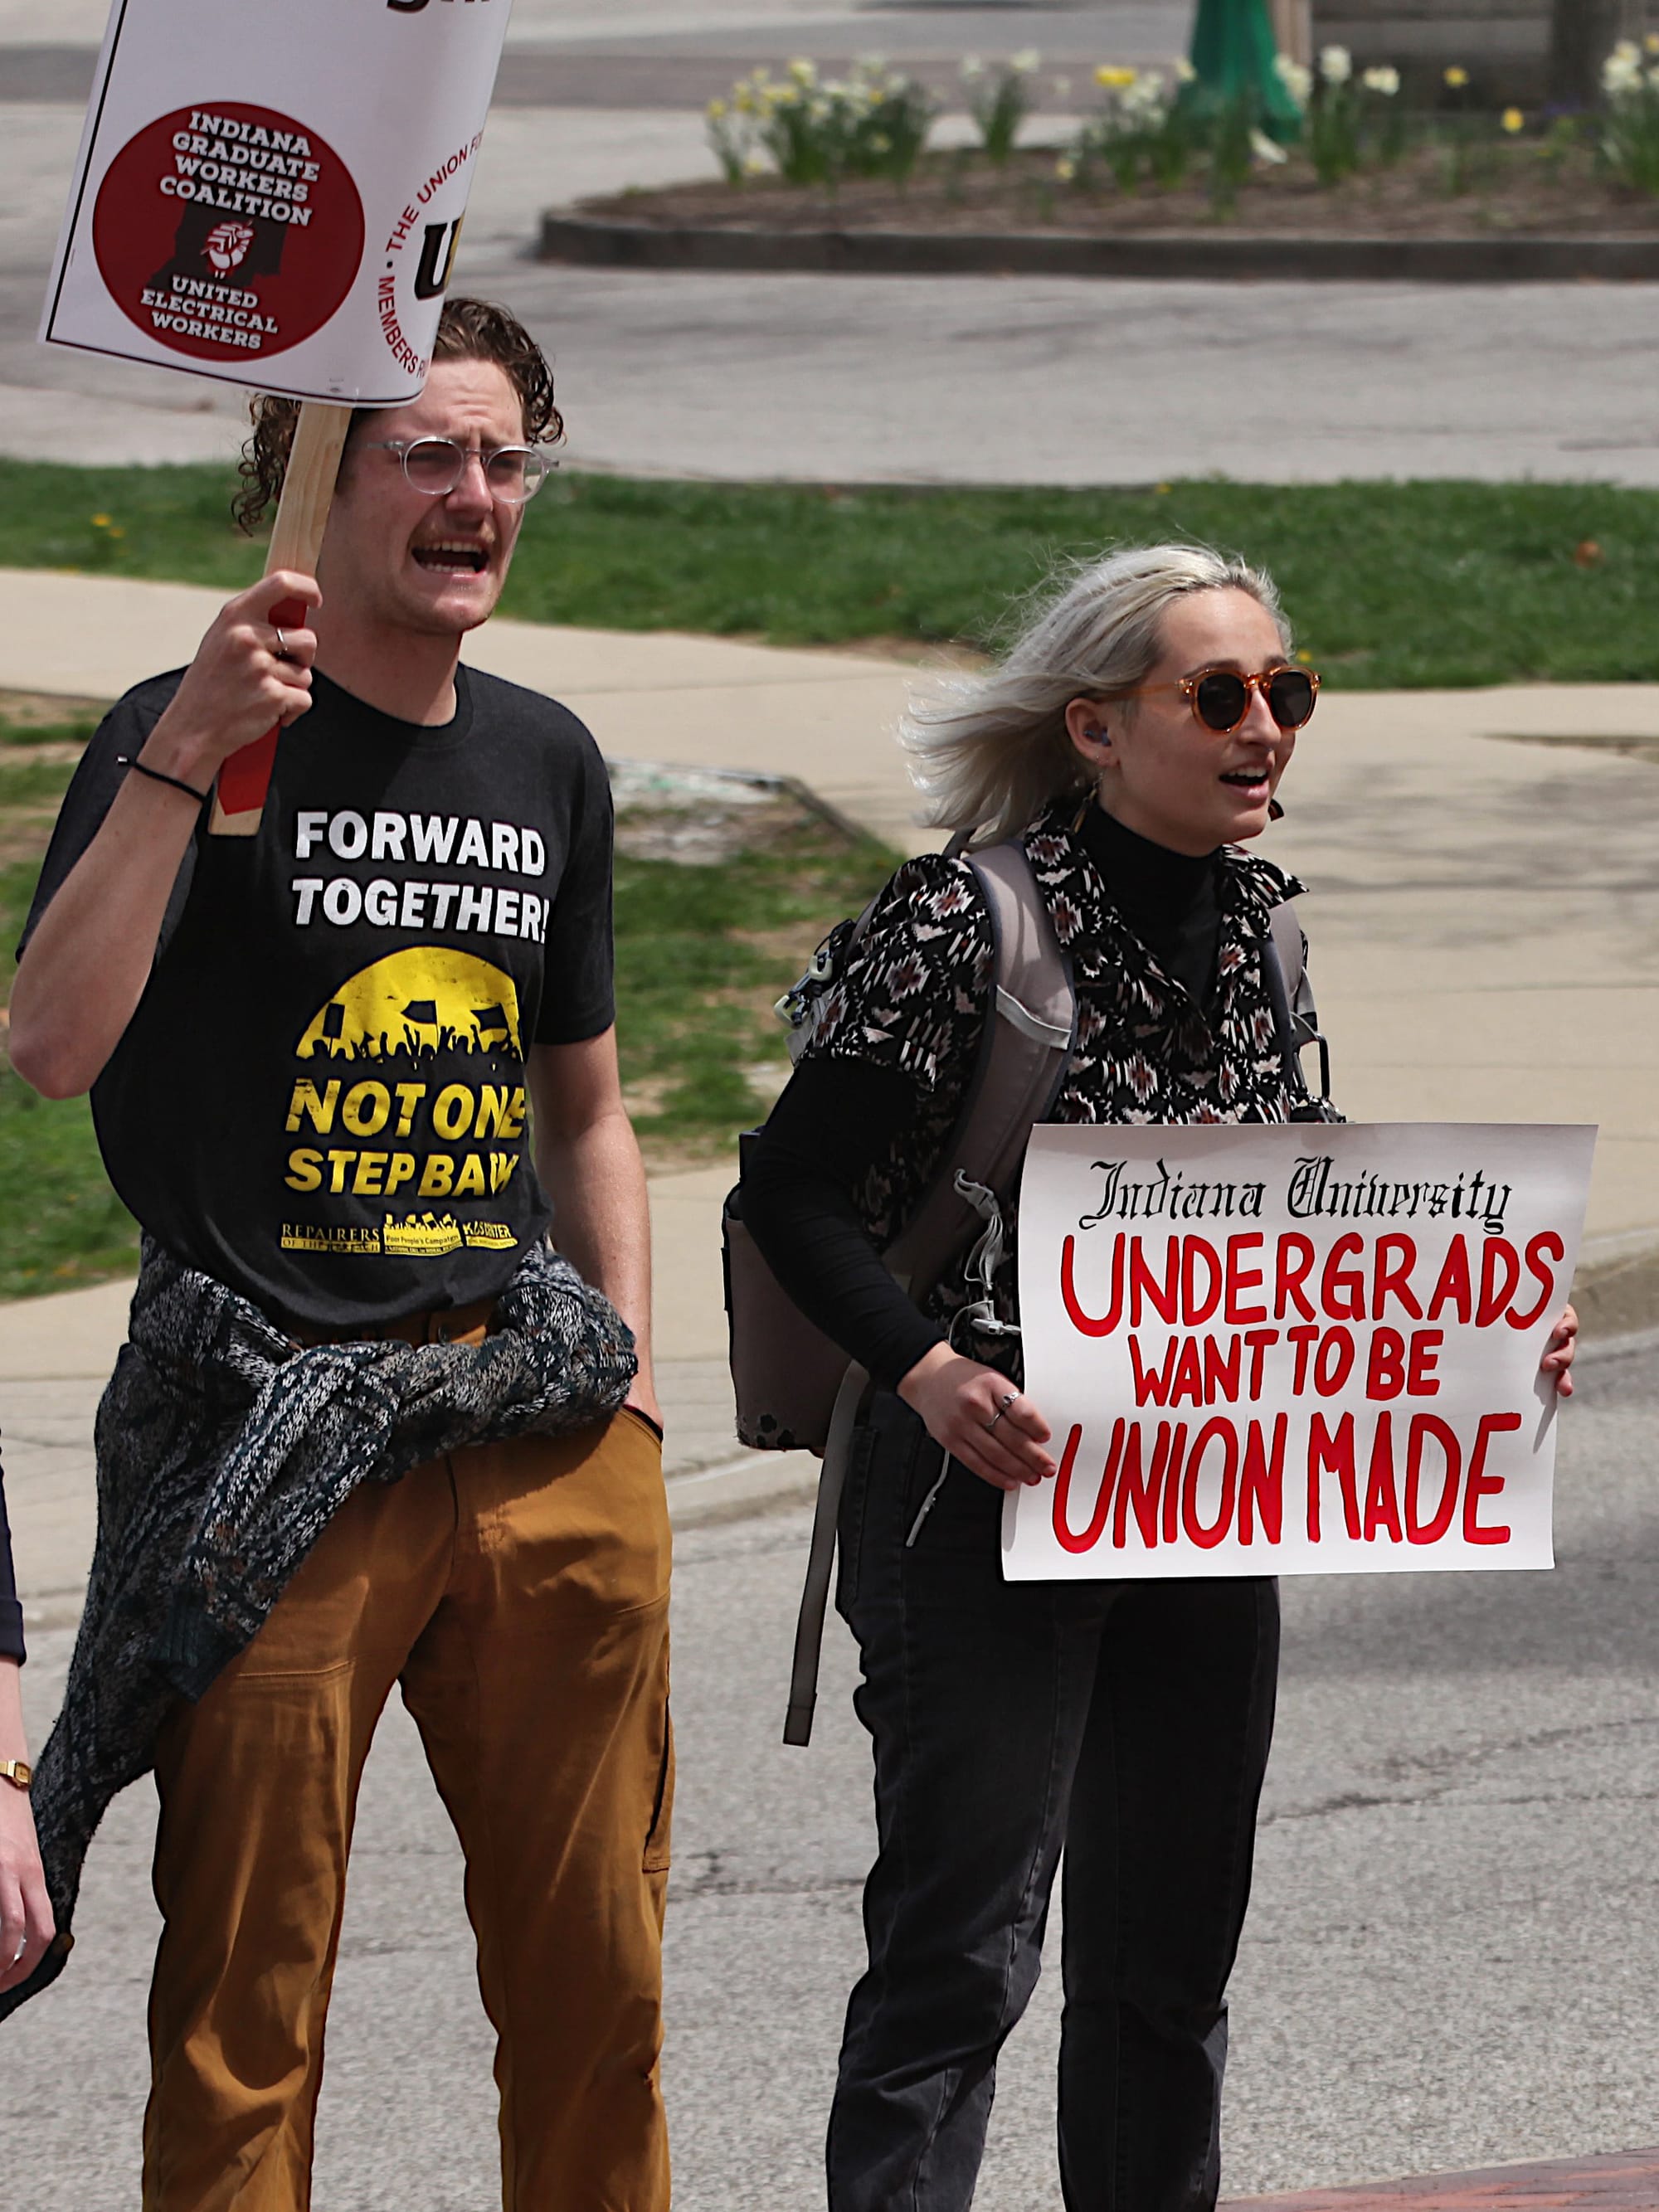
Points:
(435, 466)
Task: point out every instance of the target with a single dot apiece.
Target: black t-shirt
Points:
(321, 1098)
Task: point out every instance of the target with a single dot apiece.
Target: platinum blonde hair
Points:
(989, 752)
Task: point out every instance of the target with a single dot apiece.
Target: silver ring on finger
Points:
(283, 652)
(1007, 1401)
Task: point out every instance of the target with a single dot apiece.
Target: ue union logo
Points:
(227, 244)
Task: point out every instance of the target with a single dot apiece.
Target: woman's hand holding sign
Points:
(979, 1418)
(1558, 1359)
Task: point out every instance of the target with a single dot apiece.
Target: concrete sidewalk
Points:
(1484, 906)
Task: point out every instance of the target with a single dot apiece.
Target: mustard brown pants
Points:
(519, 1595)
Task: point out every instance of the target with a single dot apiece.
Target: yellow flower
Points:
(1115, 79)
(716, 109)
(1652, 42)
(1457, 76)
(1306, 658)
(1065, 168)
(1162, 491)
(100, 522)
(1514, 120)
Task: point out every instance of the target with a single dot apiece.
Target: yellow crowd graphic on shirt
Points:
(401, 1133)
(428, 999)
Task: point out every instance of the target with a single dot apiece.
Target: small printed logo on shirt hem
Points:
(416, 1236)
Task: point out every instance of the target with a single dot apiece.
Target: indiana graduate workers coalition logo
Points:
(412, 1089)
(228, 231)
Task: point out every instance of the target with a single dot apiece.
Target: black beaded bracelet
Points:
(160, 775)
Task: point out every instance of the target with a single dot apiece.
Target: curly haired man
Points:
(369, 1430)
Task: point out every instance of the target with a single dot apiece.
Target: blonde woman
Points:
(1132, 740)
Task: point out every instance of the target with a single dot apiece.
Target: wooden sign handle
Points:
(295, 541)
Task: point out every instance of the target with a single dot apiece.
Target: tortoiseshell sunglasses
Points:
(1221, 699)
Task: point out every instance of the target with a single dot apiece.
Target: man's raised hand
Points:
(247, 677)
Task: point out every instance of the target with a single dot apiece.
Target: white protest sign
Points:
(1299, 1349)
(270, 191)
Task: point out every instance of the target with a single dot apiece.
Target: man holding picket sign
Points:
(349, 1041)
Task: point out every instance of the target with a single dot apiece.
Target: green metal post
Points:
(1233, 51)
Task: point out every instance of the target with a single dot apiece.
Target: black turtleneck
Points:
(839, 1118)
(1170, 901)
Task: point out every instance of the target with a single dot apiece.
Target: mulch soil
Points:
(1516, 192)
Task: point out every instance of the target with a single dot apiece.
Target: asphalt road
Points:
(1450, 1961)
(916, 380)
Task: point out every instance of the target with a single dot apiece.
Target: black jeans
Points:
(1128, 1722)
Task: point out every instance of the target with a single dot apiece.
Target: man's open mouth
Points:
(1246, 779)
(453, 558)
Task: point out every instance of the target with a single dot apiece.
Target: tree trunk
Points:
(1583, 34)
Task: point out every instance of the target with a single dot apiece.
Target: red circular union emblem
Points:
(228, 231)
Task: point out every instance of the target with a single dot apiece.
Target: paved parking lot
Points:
(1005, 381)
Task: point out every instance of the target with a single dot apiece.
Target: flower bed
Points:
(1153, 155)
(1515, 196)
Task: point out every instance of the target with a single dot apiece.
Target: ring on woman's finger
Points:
(283, 652)
(1008, 1401)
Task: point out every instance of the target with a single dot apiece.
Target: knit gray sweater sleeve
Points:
(223, 1451)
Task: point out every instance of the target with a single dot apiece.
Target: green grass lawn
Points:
(701, 955)
(1388, 585)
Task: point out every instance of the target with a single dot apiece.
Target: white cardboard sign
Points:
(1302, 1350)
(270, 191)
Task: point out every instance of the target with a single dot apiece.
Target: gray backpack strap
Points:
(1292, 948)
(1023, 1053)
(1285, 966)
(1021, 1065)
(821, 1557)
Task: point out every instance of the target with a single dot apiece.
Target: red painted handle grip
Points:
(245, 778)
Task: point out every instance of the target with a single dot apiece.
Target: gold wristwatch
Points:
(17, 1771)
